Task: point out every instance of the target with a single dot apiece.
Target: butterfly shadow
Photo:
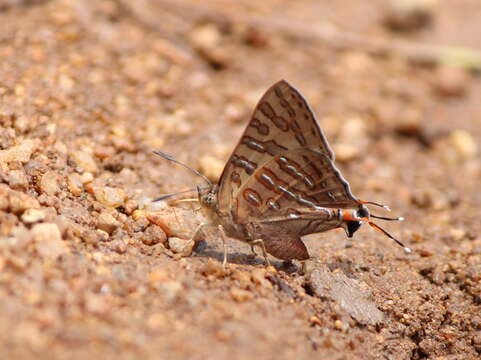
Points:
(241, 257)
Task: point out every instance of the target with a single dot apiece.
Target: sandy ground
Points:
(89, 267)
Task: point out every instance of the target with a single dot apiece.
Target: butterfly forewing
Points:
(281, 162)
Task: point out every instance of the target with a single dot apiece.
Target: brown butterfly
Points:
(280, 183)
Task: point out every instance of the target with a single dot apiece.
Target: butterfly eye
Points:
(362, 212)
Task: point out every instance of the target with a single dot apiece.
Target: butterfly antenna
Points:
(168, 196)
(380, 229)
(376, 204)
(400, 218)
(170, 158)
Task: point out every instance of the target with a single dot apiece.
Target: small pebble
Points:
(464, 144)
(256, 36)
(243, 277)
(17, 179)
(213, 268)
(91, 237)
(424, 252)
(181, 246)
(170, 289)
(409, 14)
(176, 123)
(457, 234)
(477, 341)
(7, 137)
(31, 216)
(154, 235)
(119, 246)
(314, 320)
(352, 139)
(451, 81)
(430, 199)
(49, 183)
(21, 152)
(410, 123)
(206, 40)
(18, 202)
(156, 322)
(345, 152)
(48, 241)
(107, 222)
(353, 130)
(234, 112)
(259, 277)
(158, 275)
(127, 176)
(141, 224)
(138, 214)
(152, 206)
(241, 295)
(416, 237)
(75, 184)
(103, 152)
(206, 36)
(176, 222)
(102, 235)
(109, 196)
(4, 198)
(97, 304)
(87, 178)
(84, 160)
(130, 206)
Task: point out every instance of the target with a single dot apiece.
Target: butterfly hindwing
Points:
(286, 248)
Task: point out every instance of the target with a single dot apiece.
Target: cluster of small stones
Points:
(46, 203)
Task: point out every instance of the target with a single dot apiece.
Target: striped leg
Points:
(260, 242)
(223, 237)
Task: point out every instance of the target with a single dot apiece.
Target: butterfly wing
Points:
(282, 121)
(286, 248)
(294, 182)
(290, 196)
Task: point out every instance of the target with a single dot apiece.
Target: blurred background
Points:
(88, 267)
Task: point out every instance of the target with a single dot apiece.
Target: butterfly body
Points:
(280, 235)
(280, 182)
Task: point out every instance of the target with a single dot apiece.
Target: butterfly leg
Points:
(253, 253)
(263, 247)
(199, 230)
(223, 237)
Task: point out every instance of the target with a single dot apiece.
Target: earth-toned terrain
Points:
(90, 267)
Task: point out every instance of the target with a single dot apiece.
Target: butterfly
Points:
(281, 183)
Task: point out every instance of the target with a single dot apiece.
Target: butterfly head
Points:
(208, 196)
(352, 221)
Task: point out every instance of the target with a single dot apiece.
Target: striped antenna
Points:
(170, 158)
